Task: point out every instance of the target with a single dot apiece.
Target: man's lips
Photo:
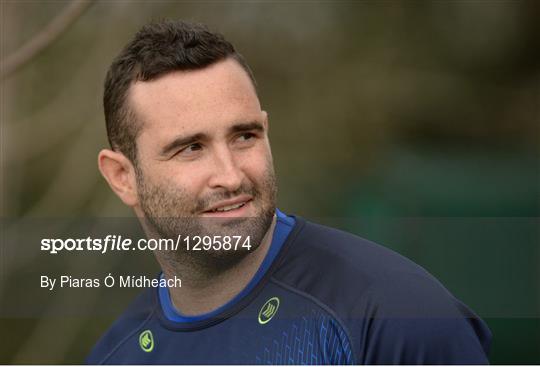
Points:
(229, 206)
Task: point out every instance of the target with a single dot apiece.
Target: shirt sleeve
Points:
(415, 320)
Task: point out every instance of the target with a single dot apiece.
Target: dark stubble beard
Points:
(170, 211)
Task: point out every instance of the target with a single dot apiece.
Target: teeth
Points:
(229, 207)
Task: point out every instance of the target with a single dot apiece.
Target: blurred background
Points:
(413, 124)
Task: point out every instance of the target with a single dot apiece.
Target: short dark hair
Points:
(157, 48)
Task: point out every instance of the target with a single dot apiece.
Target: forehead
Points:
(195, 100)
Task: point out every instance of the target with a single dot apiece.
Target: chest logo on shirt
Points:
(268, 310)
(146, 341)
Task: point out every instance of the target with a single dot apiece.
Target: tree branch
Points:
(44, 38)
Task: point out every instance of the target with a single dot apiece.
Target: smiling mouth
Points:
(226, 208)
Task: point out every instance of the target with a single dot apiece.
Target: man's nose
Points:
(226, 172)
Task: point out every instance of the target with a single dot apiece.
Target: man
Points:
(190, 154)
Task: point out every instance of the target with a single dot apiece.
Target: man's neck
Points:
(201, 294)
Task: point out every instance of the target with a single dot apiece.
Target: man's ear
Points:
(120, 174)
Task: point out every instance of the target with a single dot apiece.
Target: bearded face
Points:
(171, 210)
(204, 164)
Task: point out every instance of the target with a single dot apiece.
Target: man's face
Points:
(204, 162)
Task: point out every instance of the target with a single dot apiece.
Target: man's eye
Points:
(246, 136)
(190, 149)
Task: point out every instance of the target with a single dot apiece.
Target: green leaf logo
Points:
(146, 341)
(268, 310)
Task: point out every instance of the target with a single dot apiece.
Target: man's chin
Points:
(231, 226)
(213, 224)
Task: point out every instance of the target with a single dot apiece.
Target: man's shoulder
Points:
(344, 254)
(346, 272)
(382, 299)
(132, 320)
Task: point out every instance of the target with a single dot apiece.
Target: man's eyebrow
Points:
(247, 126)
(186, 140)
(180, 142)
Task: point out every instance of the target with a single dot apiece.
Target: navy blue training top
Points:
(321, 296)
